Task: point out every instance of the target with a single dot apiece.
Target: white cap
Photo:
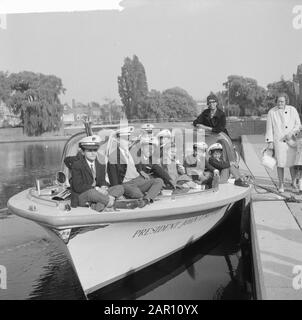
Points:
(215, 146)
(91, 142)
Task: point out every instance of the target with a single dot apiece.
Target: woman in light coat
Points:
(282, 121)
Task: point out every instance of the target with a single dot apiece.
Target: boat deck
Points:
(48, 213)
(276, 230)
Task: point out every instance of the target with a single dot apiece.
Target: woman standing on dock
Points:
(282, 121)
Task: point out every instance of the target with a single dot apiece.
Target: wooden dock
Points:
(276, 230)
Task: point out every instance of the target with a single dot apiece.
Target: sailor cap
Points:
(91, 142)
(215, 146)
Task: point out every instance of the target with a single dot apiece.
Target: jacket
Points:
(217, 123)
(82, 178)
(155, 170)
(218, 164)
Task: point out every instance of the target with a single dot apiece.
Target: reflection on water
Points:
(37, 266)
(22, 162)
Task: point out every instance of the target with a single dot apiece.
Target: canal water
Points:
(37, 268)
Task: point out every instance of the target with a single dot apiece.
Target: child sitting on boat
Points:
(149, 162)
(217, 162)
(178, 177)
(196, 164)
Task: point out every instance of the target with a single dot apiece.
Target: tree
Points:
(297, 82)
(178, 104)
(246, 93)
(35, 97)
(133, 87)
(153, 106)
(4, 86)
(222, 97)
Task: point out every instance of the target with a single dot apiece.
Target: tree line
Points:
(34, 97)
(241, 95)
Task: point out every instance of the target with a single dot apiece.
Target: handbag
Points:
(268, 159)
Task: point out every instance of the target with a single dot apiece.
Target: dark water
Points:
(38, 269)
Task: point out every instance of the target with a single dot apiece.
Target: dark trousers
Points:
(142, 188)
(92, 196)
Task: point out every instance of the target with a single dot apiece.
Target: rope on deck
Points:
(251, 180)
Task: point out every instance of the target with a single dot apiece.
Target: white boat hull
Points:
(104, 248)
(106, 254)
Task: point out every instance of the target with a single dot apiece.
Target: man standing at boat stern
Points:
(89, 178)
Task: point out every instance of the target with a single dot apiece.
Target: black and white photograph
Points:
(151, 150)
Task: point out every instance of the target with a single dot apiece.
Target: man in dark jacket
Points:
(212, 119)
(88, 181)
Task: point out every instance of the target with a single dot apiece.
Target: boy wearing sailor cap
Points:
(196, 164)
(89, 178)
(225, 167)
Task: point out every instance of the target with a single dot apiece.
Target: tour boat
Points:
(104, 247)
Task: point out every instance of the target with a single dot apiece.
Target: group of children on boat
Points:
(101, 177)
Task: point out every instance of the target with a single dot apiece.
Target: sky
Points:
(192, 44)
